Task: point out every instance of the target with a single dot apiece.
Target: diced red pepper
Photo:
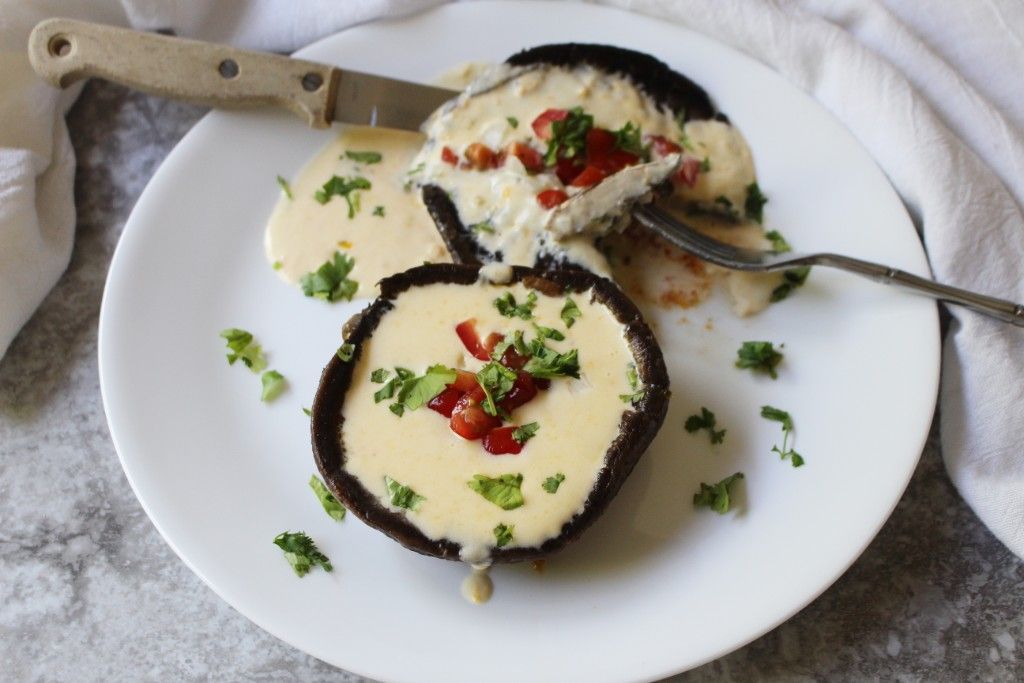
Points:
(688, 172)
(542, 124)
(663, 146)
(530, 158)
(616, 161)
(493, 339)
(567, 169)
(445, 402)
(448, 156)
(471, 340)
(500, 442)
(480, 156)
(465, 381)
(469, 419)
(551, 198)
(523, 390)
(513, 359)
(591, 175)
(600, 143)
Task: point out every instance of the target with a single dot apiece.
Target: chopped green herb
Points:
(417, 391)
(379, 375)
(242, 347)
(551, 484)
(705, 165)
(507, 306)
(307, 411)
(779, 243)
(496, 380)
(570, 311)
(548, 333)
(716, 496)
(503, 535)
(504, 491)
(781, 416)
(285, 187)
(276, 265)
(273, 384)
(301, 552)
(387, 391)
(634, 384)
(630, 139)
(364, 157)
(753, 207)
(483, 226)
(759, 356)
(343, 187)
(332, 507)
(397, 408)
(547, 363)
(568, 136)
(402, 496)
(724, 201)
(512, 121)
(378, 211)
(330, 281)
(345, 352)
(526, 432)
(706, 420)
(791, 279)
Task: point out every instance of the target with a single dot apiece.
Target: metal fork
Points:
(738, 258)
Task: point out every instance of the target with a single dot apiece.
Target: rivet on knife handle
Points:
(63, 51)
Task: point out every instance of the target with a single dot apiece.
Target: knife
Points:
(63, 51)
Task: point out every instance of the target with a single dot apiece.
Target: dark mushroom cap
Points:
(637, 427)
(668, 88)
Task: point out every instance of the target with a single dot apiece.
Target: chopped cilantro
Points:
(307, 412)
(378, 211)
(548, 333)
(753, 207)
(551, 484)
(379, 375)
(416, 391)
(273, 384)
(504, 491)
(387, 391)
(301, 552)
(330, 281)
(568, 136)
(402, 496)
(781, 416)
(570, 311)
(634, 383)
(483, 226)
(343, 187)
(526, 432)
(496, 380)
(706, 420)
(779, 243)
(331, 506)
(364, 157)
(630, 139)
(705, 165)
(791, 279)
(759, 356)
(512, 121)
(546, 363)
(242, 347)
(716, 496)
(397, 408)
(285, 187)
(507, 306)
(503, 534)
(724, 201)
(345, 352)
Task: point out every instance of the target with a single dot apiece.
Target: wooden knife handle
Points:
(63, 51)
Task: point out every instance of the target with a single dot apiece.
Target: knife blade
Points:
(64, 50)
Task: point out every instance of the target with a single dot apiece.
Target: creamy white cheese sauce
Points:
(302, 233)
(578, 419)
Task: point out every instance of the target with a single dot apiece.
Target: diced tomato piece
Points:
(551, 198)
(522, 392)
(445, 401)
(500, 442)
(480, 156)
(530, 158)
(469, 419)
(493, 339)
(616, 161)
(513, 359)
(542, 124)
(663, 146)
(688, 172)
(465, 381)
(591, 175)
(448, 156)
(567, 169)
(470, 339)
(600, 143)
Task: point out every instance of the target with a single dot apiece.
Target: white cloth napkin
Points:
(931, 89)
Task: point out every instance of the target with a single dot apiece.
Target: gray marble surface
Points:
(90, 592)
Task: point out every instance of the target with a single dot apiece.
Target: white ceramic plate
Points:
(654, 587)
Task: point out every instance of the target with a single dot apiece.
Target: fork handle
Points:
(1002, 309)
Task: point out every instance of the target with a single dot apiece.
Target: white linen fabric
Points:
(931, 89)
